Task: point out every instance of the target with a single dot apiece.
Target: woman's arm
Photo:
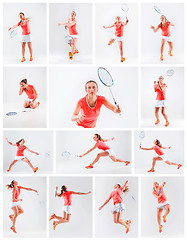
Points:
(13, 27)
(21, 89)
(56, 193)
(10, 142)
(157, 196)
(146, 148)
(172, 24)
(155, 29)
(76, 116)
(110, 106)
(35, 94)
(124, 185)
(59, 24)
(80, 193)
(88, 151)
(105, 203)
(109, 26)
(155, 86)
(29, 189)
(32, 151)
(107, 140)
(167, 147)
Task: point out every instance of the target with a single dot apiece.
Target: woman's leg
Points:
(29, 163)
(159, 214)
(164, 114)
(34, 105)
(26, 104)
(30, 48)
(117, 160)
(121, 49)
(154, 161)
(120, 220)
(157, 114)
(171, 163)
(23, 44)
(64, 220)
(167, 208)
(12, 163)
(111, 41)
(102, 154)
(163, 41)
(73, 47)
(170, 48)
(15, 215)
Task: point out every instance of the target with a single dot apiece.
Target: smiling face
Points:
(95, 138)
(21, 15)
(91, 88)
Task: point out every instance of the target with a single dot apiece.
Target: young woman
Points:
(161, 155)
(118, 36)
(67, 196)
(166, 35)
(118, 209)
(160, 89)
(32, 96)
(71, 26)
(158, 192)
(107, 151)
(16, 202)
(26, 35)
(20, 154)
(88, 108)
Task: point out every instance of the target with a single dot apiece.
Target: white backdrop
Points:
(12, 46)
(35, 76)
(78, 142)
(59, 49)
(38, 141)
(143, 158)
(67, 87)
(80, 224)
(151, 42)
(32, 223)
(104, 225)
(174, 191)
(105, 14)
(174, 97)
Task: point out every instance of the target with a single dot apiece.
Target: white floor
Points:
(17, 60)
(104, 166)
(161, 168)
(174, 123)
(155, 59)
(64, 59)
(33, 118)
(128, 60)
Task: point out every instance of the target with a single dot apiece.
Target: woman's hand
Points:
(100, 208)
(88, 192)
(81, 156)
(6, 139)
(112, 138)
(56, 188)
(169, 147)
(152, 27)
(21, 200)
(117, 110)
(140, 147)
(36, 153)
(81, 117)
(9, 29)
(104, 27)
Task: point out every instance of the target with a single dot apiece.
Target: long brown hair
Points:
(124, 190)
(158, 143)
(63, 189)
(18, 143)
(99, 137)
(24, 81)
(161, 25)
(11, 185)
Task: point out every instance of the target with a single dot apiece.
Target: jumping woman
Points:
(119, 208)
(67, 196)
(26, 35)
(88, 108)
(158, 192)
(16, 202)
(32, 100)
(161, 155)
(71, 26)
(160, 89)
(166, 35)
(107, 151)
(20, 154)
(118, 36)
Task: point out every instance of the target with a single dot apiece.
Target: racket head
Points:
(69, 39)
(105, 77)
(142, 134)
(66, 154)
(13, 33)
(170, 72)
(11, 113)
(124, 7)
(157, 9)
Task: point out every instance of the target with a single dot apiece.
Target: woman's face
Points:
(23, 84)
(73, 14)
(21, 16)
(22, 141)
(116, 186)
(95, 138)
(162, 18)
(91, 88)
(155, 185)
(161, 79)
(15, 183)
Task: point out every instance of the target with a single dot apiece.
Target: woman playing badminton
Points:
(16, 202)
(118, 36)
(26, 35)
(67, 196)
(71, 26)
(20, 154)
(32, 100)
(160, 89)
(106, 151)
(88, 108)
(165, 35)
(161, 155)
(119, 208)
(163, 204)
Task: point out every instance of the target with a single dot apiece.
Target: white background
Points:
(174, 97)
(151, 42)
(59, 49)
(79, 142)
(105, 14)
(35, 76)
(174, 191)
(12, 46)
(38, 141)
(104, 225)
(32, 223)
(67, 87)
(143, 158)
(80, 224)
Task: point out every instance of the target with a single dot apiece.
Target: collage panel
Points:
(162, 97)
(25, 217)
(116, 207)
(24, 23)
(160, 152)
(89, 152)
(76, 212)
(85, 90)
(162, 33)
(70, 33)
(24, 97)
(28, 152)
(162, 204)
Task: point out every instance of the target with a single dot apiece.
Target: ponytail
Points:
(126, 189)
(11, 185)
(19, 142)
(63, 189)
(99, 137)
(158, 143)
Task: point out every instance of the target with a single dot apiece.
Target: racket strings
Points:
(105, 77)
(124, 7)
(69, 39)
